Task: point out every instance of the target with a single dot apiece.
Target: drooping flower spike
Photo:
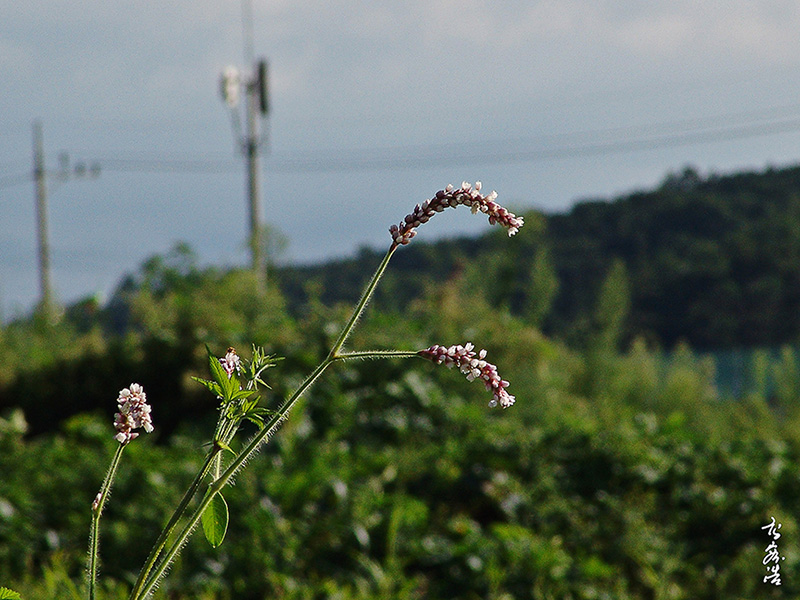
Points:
(452, 197)
(474, 366)
(134, 413)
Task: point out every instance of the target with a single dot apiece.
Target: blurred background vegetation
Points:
(650, 344)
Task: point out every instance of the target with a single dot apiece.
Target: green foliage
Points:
(621, 472)
(712, 261)
(542, 287)
(215, 520)
(611, 312)
(389, 484)
(395, 481)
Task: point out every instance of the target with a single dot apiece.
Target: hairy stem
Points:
(362, 303)
(271, 427)
(170, 526)
(374, 354)
(223, 479)
(94, 535)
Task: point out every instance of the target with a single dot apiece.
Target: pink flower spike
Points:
(474, 366)
(134, 413)
(230, 362)
(452, 197)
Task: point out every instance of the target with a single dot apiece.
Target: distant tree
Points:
(542, 287)
(612, 309)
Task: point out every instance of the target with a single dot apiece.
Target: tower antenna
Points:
(256, 107)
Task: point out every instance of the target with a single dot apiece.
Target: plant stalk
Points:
(94, 535)
(264, 434)
(375, 354)
(170, 526)
(365, 298)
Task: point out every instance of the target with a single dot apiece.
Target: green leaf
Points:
(239, 394)
(217, 371)
(228, 385)
(260, 362)
(258, 415)
(257, 420)
(7, 594)
(224, 446)
(212, 386)
(215, 520)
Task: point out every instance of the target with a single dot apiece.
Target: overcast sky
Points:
(374, 106)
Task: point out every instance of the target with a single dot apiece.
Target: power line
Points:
(669, 134)
(169, 165)
(567, 146)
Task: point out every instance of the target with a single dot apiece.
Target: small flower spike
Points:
(231, 363)
(134, 413)
(474, 366)
(452, 197)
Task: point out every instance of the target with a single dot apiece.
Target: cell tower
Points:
(256, 108)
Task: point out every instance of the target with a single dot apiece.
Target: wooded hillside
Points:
(713, 261)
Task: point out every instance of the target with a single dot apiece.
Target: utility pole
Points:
(46, 306)
(251, 146)
(256, 108)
